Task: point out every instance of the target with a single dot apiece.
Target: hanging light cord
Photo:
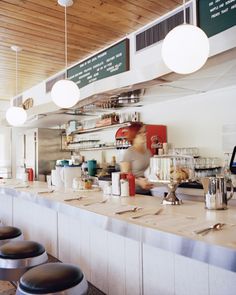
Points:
(16, 72)
(65, 43)
(184, 8)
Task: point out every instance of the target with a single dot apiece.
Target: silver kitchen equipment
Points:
(171, 170)
(38, 148)
(215, 192)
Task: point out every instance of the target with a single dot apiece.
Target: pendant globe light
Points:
(65, 93)
(16, 116)
(185, 49)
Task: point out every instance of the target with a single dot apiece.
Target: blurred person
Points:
(136, 158)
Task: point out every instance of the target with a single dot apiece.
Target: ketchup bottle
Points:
(30, 172)
(131, 179)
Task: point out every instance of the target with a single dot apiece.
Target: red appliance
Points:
(30, 172)
(156, 136)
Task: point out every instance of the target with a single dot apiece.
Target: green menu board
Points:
(112, 61)
(215, 16)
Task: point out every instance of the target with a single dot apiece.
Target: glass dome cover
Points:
(171, 170)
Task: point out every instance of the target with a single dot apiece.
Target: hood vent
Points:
(115, 101)
(52, 81)
(158, 31)
(17, 101)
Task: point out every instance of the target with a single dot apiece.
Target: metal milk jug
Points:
(215, 190)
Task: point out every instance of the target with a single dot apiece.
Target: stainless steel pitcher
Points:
(215, 192)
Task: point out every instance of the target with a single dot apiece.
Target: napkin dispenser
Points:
(115, 178)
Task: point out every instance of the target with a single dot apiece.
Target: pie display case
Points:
(171, 170)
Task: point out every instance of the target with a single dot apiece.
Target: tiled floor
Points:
(7, 288)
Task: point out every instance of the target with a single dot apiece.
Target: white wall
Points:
(5, 150)
(192, 121)
(195, 120)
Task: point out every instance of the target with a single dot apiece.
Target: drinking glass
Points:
(49, 180)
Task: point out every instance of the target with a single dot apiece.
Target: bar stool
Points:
(9, 233)
(17, 257)
(53, 278)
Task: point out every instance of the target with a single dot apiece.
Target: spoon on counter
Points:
(217, 226)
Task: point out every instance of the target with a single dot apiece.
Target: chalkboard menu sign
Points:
(215, 16)
(112, 61)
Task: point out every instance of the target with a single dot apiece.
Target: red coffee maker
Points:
(156, 135)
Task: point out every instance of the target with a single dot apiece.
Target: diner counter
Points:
(173, 229)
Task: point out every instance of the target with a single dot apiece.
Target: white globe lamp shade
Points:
(16, 116)
(65, 93)
(185, 49)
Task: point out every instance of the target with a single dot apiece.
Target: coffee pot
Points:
(215, 192)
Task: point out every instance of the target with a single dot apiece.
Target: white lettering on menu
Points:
(220, 9)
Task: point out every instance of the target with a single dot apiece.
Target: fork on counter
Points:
(92, 203)
(146, 214)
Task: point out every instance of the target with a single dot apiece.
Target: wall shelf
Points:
(102, 128)
(93, 149)
(84, 140)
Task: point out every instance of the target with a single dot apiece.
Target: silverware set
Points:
(147, 214)
(74, 199)
(92, 203)
(21, 186)
(214, 227)
(45, 192)
(135, 209)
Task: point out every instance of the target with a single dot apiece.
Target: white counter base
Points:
(123, 256)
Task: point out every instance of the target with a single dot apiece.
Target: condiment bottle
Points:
(113, 161)
(131, 179)
(30, 172)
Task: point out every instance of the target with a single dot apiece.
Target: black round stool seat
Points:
(9, 232)
(16, 257)
(53, 278)
(21, 249)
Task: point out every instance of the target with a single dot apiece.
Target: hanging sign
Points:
(112, 61)
(215, 16)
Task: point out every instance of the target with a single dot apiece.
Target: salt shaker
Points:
(124, 188)
(75, 183)
(107, 190)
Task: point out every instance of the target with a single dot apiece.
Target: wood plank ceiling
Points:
(38, 28)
